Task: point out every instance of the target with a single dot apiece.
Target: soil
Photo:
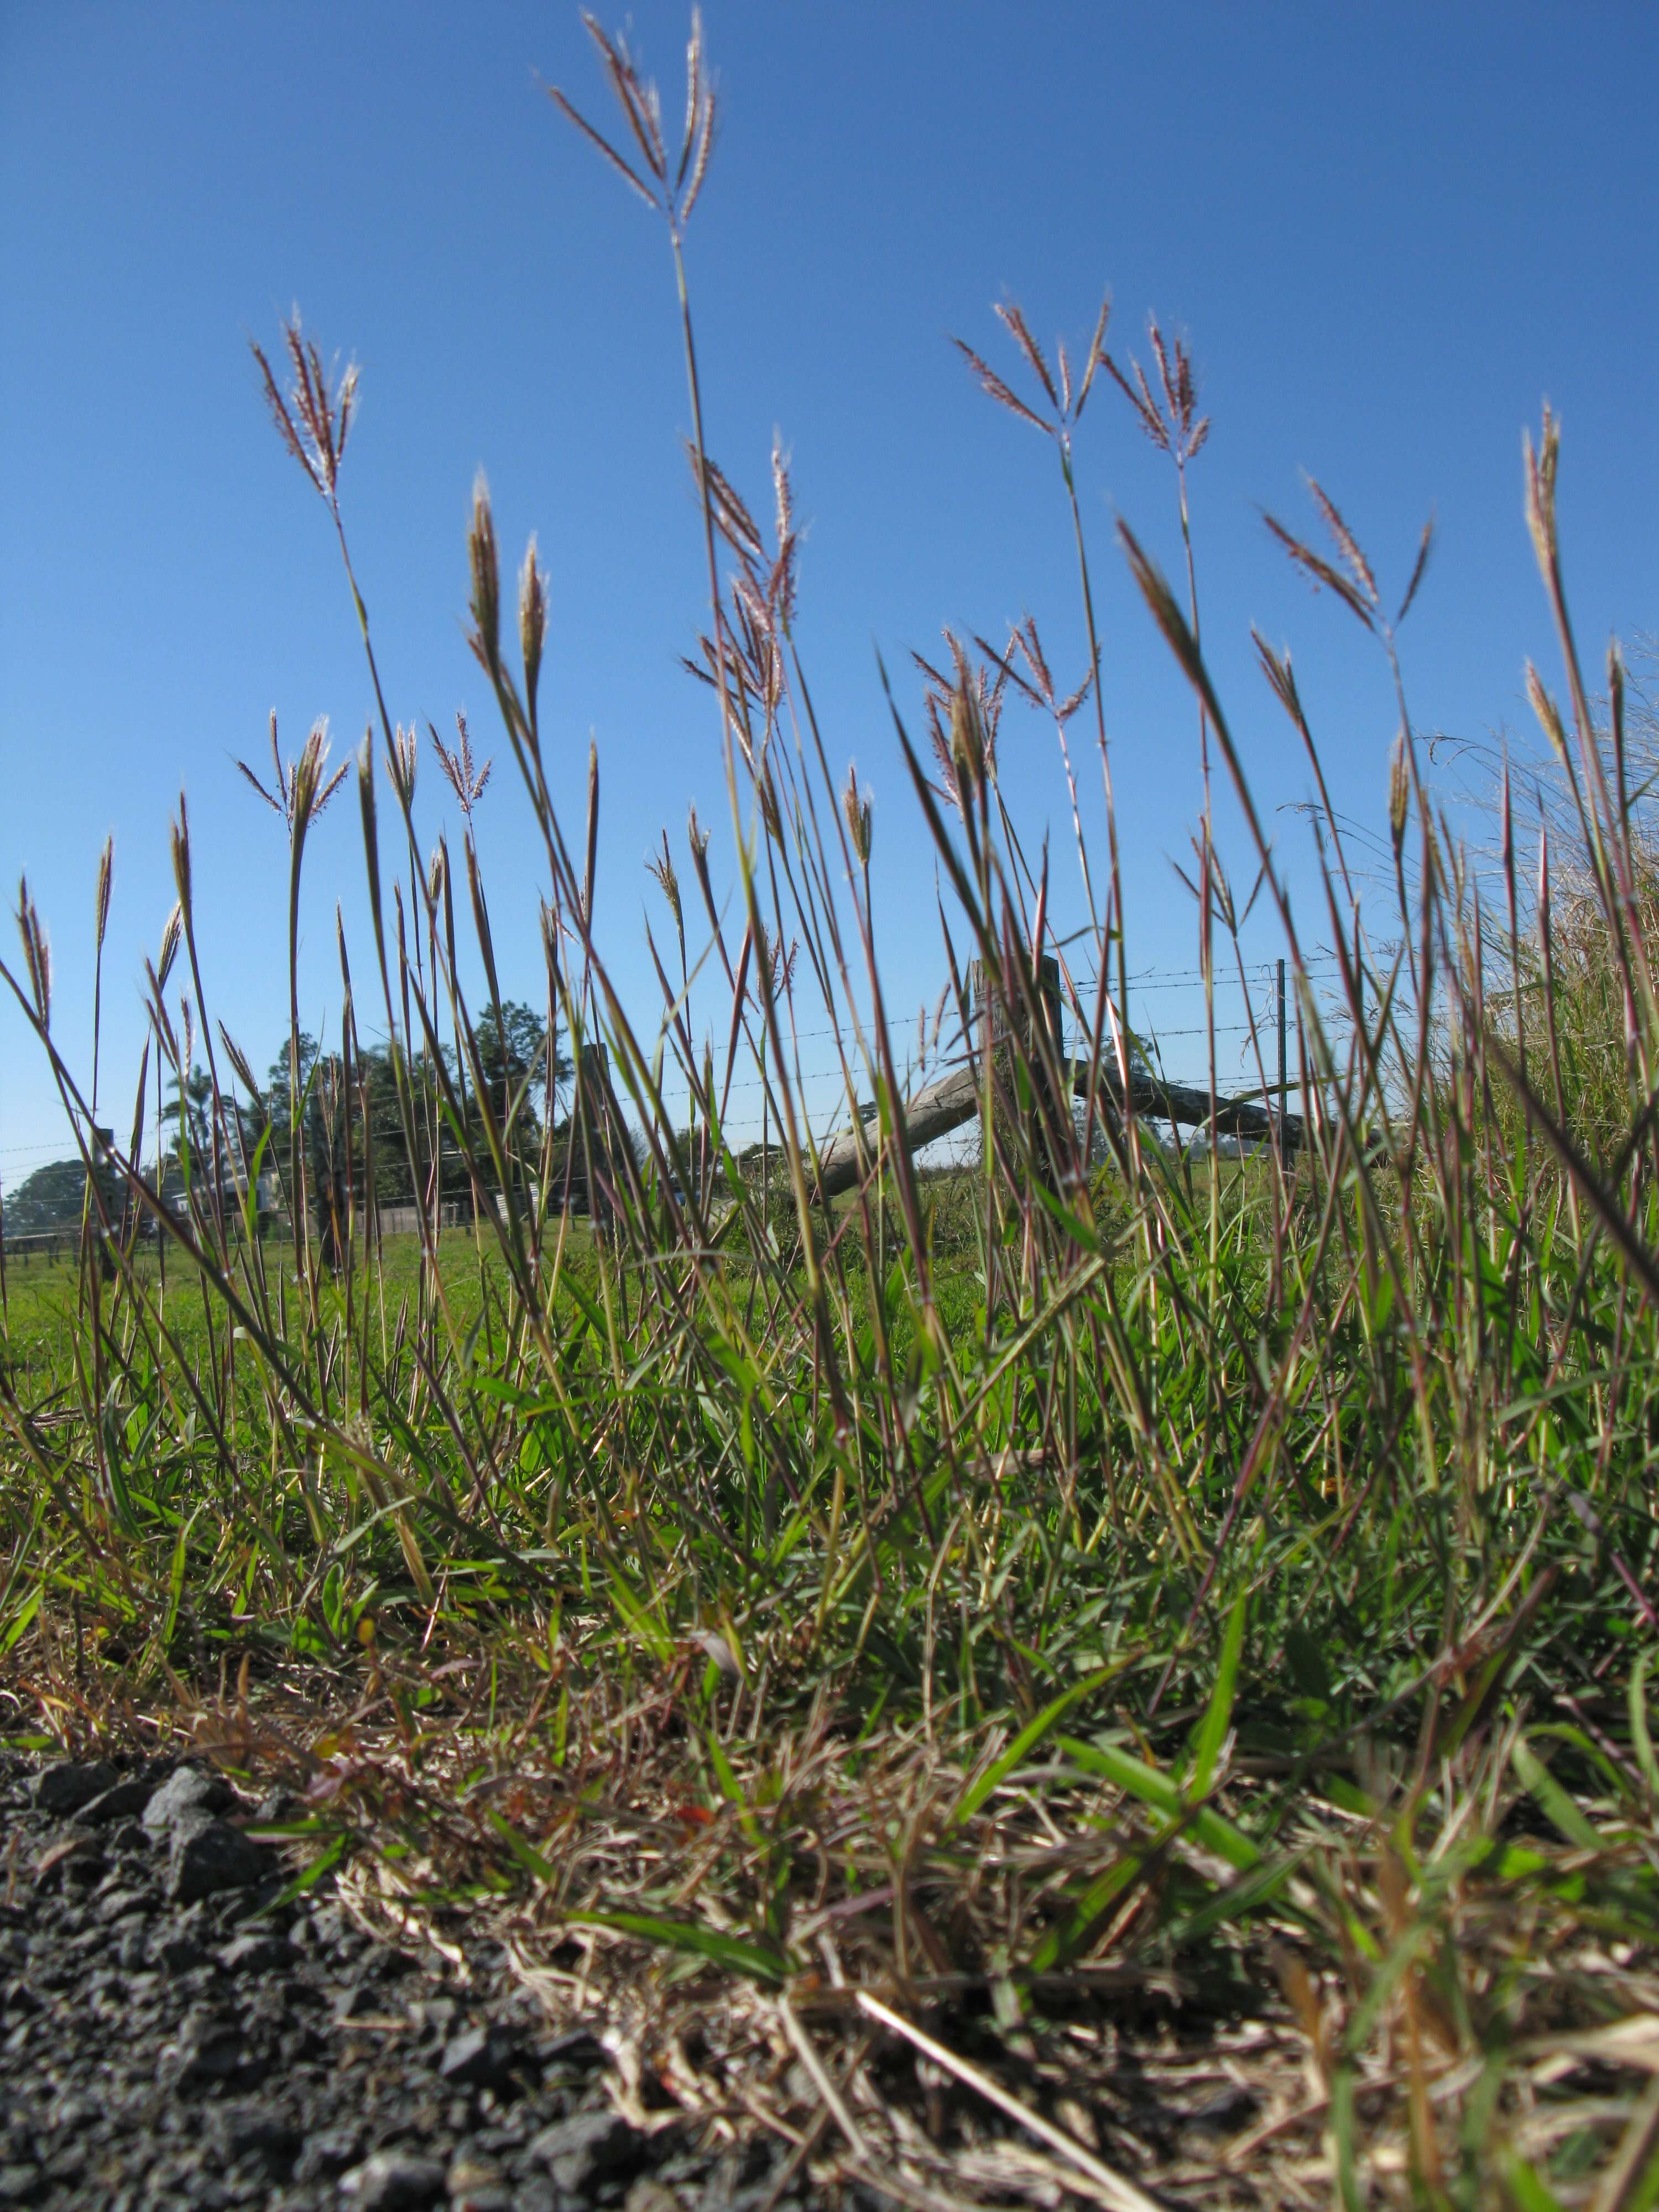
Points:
(176, 2029)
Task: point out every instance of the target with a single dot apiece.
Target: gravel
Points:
(172, 2035)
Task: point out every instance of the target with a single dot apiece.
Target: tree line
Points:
(351, 1136)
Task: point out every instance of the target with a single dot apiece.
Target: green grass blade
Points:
(1213, 1730)
(1528, 2188)
(1553, 1800)
(730, 1951)
(1026, 1742)
(1155, 1788)
(1640, 1736)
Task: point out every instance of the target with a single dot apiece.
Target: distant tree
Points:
(276, 1099)
(334, 1150)
(52, 1199)
(188, 1111)
(510, 1053)
(352, 1130)
(395, 1184)
(270, 1117)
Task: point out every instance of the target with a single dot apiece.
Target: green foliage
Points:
(52, 1198)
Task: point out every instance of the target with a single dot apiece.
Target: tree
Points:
(53, 1198)
(507, 1054)
(188, 1111)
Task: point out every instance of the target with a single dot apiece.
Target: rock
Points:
(75, 1859)
(191, 1789)
(476, 2185)
(120, 1802)
(577, 2047)
(254, 1955)
(176, 1947)
(210, 2048)
(243, 2131)
(391, 2180)
(274, 1808)
(116, 1904)
(649, 2195)
(18, 2183)
(327, 2149)
(480, 2058)
(64, 1788)
(209, 1856)
(588, 2146)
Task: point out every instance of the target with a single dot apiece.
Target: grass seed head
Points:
(859, 810)
(313, 417)
(485, 564)
(100, 900)
(660, 868)
(1346, 543)
(172, 931)
(181, 839)
(968, 739)
(532, 622)
(671, 187)
(1399, 791)
(36, 951)
(1549, 714)
(464, 777)
(1539, 471)
(403, 760)
(240, 1065)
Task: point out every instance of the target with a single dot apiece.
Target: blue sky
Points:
(1389, 233)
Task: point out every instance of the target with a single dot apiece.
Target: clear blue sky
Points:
(1390, 233)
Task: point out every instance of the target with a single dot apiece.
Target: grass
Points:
(1138, 1630)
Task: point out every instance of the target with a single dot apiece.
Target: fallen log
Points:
(938, 1107)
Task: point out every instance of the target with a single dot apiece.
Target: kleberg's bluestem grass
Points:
(1140, 1609)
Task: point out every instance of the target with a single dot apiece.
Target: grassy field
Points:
(1098, 1615)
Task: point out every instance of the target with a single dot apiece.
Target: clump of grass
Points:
(1173, 1616)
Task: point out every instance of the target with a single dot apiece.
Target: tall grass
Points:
(1065, 1573)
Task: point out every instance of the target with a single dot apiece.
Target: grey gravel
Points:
(208, 1856)
(480, 2058)
(120, 1801)
(191, 1789)
(391, 2181)
(175, 2039)
(69, 1783)
(589, 2147)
